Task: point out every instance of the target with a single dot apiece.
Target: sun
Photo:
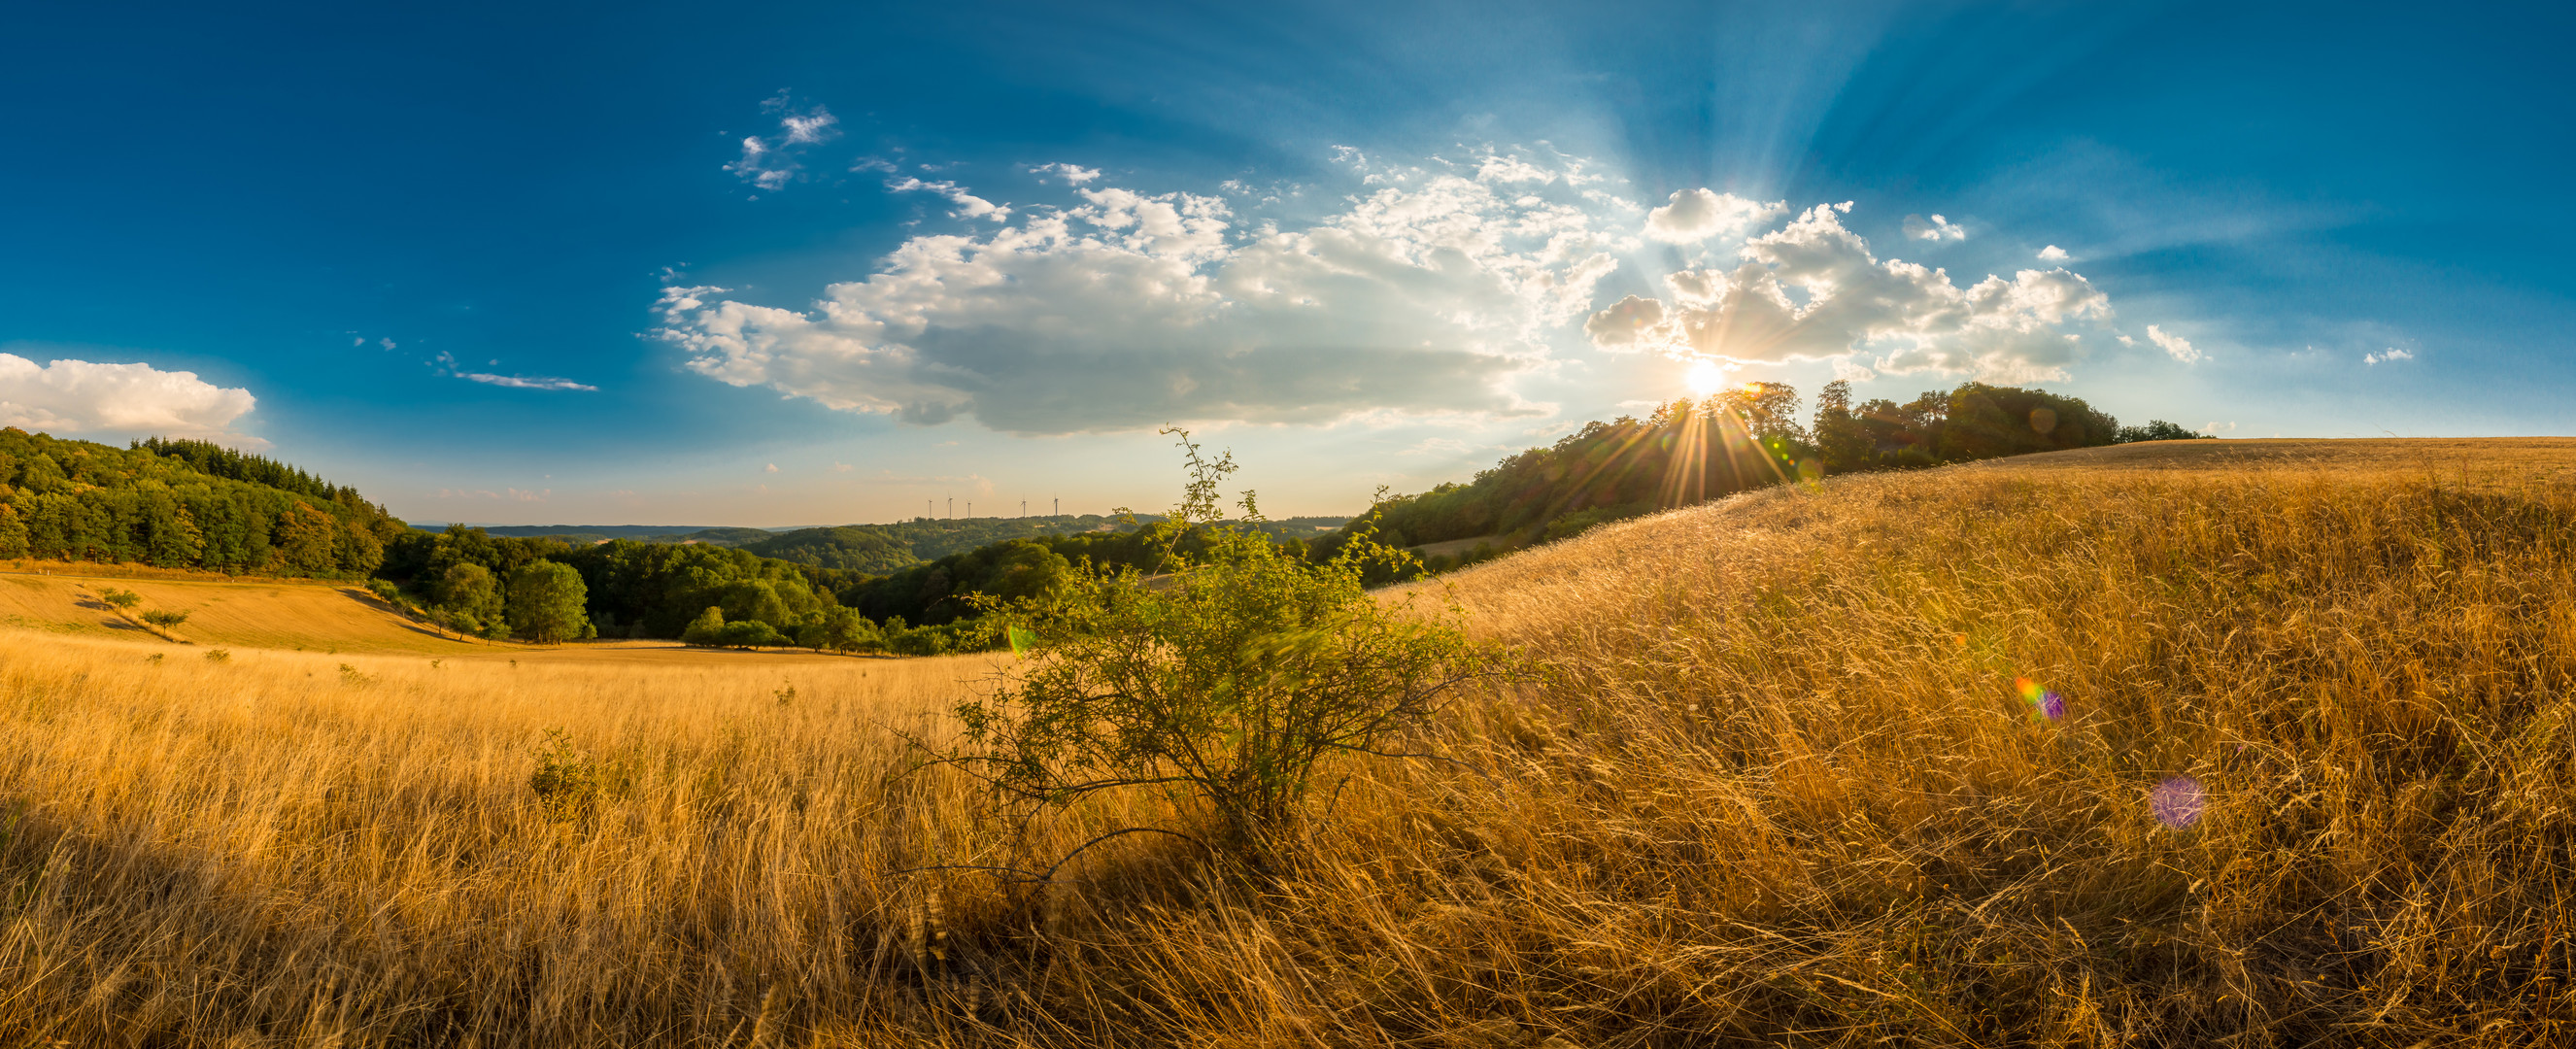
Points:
(1704, 377)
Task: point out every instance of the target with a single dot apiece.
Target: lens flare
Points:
(1704, 377)
(2177, 801)
(2043, 703)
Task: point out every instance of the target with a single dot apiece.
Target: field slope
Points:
(2302, 771)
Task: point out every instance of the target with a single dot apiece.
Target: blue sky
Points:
(822, 263)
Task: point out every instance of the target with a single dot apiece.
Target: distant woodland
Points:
(182, 504)
(917, 586)
(1687, 452)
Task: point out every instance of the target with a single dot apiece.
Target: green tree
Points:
(845, 630)
(707, 629)
(754, 599)
(470, 592)
(13, 533)
(546, 603)
(1841, 440)
(163, 620)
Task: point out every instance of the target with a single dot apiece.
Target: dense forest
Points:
(182, 504)
(1741, 439)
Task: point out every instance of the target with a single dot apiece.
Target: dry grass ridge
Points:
(1780, 785)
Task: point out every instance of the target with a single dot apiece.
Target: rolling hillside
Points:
(2228, 743)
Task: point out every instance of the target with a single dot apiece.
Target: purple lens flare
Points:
(2177, 801)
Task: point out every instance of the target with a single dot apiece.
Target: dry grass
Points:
(1777, 789)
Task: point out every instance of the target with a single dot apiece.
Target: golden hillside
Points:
(2242, 743)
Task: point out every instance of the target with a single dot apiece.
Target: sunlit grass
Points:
(2310, 779)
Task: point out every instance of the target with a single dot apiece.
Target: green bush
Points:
(1231, 679)
(566, 782)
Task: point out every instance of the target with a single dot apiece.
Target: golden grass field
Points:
(1775, 787)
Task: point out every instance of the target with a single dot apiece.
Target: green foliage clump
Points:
(2159, 430)
(1231, 679)
(567, 783)
(545, 603)
(219, 655)
(119, 599)
(164, 620)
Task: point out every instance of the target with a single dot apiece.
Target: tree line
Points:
(1687, 452)
(182, 504)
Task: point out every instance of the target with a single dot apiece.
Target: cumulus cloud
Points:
(2053, 253)
(1937, 230)
(1072, 174)
(1694, 215)
(770, 162)
(1124, 309)
(2180, 348)
(67, 396)
(2390, 354)
(1812, 290)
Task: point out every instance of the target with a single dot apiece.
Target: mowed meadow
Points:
(2240, 743)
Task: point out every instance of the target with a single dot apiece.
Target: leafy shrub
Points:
(219, 655)
(164, 618)
(1231, 678)
(566, 781)
(119, 599)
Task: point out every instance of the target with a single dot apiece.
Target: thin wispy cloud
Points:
(771, 161)
(445, 364)
(2176, 346)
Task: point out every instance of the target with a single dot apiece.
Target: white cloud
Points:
(445, 364)
(1694, 215)
(386, 343)
(1940, 229)
(969, 206)
(1126, 309)
(2176, 345)
(1072, 174)
(67, 396)
(1847, 301)
(527, 382)
(770, 469)
(1500, 168)
(2390, 354)
(772, 162)
(2053, 253)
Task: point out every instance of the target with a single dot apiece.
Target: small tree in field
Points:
(545, 603)
(163, 620)
(1230, 680)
